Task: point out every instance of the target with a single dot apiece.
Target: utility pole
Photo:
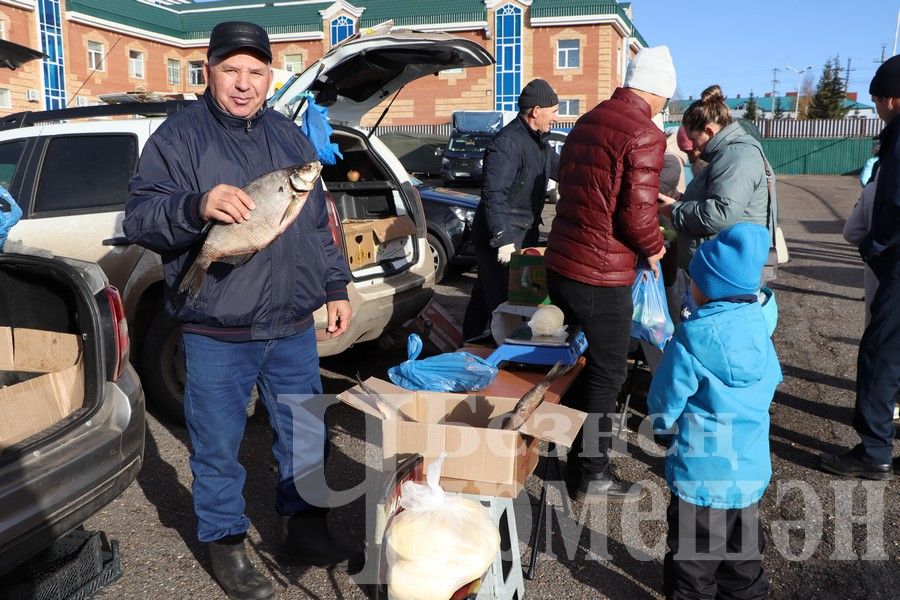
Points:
(896, 31)
(847, 77)
(883, 48)
(775, 82)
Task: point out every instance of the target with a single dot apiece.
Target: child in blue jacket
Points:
(712, 392)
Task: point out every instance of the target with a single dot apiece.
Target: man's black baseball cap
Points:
(236, 35)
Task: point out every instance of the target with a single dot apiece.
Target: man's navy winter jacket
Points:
(881, 248)
(274, 294)
(517, 164)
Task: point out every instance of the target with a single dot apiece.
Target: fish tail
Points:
(193, 279)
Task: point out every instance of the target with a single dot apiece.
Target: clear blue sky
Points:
(737, 44)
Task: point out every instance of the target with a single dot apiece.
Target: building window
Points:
(195, 72)
(53, 65)
(5, 98)
(456, 71)
(569, 108)
(95, 56)
(568, 54)
(508, 50)
(293, 63)
(341, 29)
(2, 29)
(136, 64)
(173, 68)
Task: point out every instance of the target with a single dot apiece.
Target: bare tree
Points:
(805, 93)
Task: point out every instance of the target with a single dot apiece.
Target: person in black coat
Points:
(517, 164)
(878, 362)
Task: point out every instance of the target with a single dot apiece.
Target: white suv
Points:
(71, 180)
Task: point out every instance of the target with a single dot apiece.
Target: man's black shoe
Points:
(306, 540)
(234, 572)
(604, 486)
(850, 464)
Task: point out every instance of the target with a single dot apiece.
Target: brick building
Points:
(97, 47)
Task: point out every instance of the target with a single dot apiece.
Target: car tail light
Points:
(120, 330)
(334, 222)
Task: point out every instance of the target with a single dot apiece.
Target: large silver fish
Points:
(279, 196)
(533, 397)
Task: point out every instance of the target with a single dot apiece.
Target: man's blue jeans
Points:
(220, 378)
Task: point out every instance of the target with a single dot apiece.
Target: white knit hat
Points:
(651, 70)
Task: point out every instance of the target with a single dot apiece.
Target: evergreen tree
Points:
(828, 101)
(751, 112)
(777, 111)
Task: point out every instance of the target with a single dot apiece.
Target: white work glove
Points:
(504, 253)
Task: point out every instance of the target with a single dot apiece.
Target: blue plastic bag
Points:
(10, 213)
(318, 130)
(448, 372)
(650, 320)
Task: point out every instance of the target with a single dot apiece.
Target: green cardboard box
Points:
(528, 278)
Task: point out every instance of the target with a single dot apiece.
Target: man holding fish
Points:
(227, 192)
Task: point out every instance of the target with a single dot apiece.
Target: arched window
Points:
(508, 51)
(341, 29)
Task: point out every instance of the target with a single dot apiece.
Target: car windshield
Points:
(469, 142)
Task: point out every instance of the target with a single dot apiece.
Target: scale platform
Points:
(521, 347)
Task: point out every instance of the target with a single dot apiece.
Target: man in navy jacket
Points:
(517, 164)
(878, 362)
(248, 325)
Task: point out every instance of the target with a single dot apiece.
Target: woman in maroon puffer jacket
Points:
(606, 221)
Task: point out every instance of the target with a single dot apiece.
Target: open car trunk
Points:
(51, 371)
(378, 215)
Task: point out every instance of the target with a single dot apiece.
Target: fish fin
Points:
(292, 210)
(238, 259)
(193, 280)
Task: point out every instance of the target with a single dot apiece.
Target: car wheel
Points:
(163, 373)
(439, 255)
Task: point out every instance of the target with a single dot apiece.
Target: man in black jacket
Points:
(251, 324)
(517, 164)
(878, 362)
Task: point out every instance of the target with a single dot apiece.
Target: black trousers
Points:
(878, 372)
(604, 313)
(714, 553)
(490, 291)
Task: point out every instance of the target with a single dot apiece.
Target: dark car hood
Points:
(448, 196)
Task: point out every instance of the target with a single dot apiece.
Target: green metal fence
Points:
(821, 156)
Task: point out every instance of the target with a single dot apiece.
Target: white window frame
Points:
(136, 64)
(565, 57)
(566, 105)
(195, 72)
(5, 98)
(3, 30)
(293, 66)
(456, 71)
(170, 64)
(95, 56)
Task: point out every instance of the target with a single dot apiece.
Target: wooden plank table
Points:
(515, 382)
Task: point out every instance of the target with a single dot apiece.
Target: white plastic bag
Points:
(438, 543)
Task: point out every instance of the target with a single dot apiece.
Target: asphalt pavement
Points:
(827, 537)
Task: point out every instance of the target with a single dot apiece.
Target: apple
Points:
(353, 175)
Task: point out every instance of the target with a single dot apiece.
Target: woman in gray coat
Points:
(731, 189)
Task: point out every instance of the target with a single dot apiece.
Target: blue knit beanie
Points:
(731, 263)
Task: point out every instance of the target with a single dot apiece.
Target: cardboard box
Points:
(50, 374)
(482, 458)
(359, 241)
(528, 278)
(365, 241)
